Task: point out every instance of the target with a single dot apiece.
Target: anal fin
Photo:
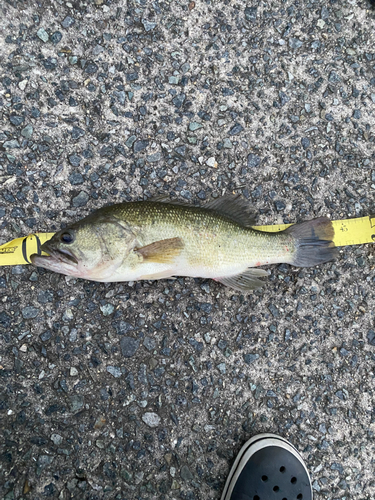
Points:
(246, 281)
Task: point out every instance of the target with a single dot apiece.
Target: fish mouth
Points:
(55, 255)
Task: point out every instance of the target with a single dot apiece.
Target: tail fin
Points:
(313, 240)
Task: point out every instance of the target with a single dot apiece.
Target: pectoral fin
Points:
(161, 252)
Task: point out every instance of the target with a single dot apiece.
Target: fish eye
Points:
(66, 238)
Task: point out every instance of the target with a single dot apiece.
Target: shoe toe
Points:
(272, 473)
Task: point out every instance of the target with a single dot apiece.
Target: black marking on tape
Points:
(24, 253)
(38, 245)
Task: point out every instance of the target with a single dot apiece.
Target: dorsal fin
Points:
(162, 198)
(234, 207)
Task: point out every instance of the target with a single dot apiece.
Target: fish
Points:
(157, 239)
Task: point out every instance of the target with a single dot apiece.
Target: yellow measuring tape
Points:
(18, 251)
(347, 232)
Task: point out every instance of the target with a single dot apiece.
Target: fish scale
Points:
(210, 239)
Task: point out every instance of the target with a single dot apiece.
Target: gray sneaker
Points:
(268, 468)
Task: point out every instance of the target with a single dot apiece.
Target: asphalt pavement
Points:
(148, 390)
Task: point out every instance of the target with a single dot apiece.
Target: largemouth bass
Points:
(152, 240)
